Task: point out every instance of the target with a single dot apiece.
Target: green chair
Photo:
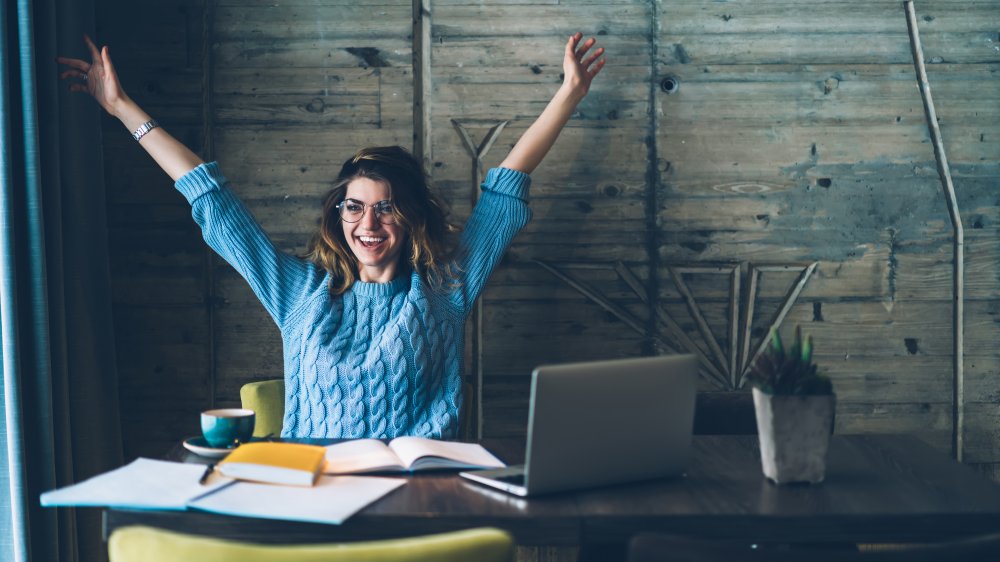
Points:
(267, 398)
(146, 544)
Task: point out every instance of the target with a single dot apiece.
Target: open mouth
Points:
(371, 241)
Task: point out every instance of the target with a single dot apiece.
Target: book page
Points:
(332, 500)
(361, 455)
(418, 453)
(141, 484)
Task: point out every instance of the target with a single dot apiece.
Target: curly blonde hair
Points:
(423, 217)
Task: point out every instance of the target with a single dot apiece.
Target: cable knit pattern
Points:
(381, 360)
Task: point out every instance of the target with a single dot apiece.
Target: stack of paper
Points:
(332, 500)
(152, 484)
(142, 484)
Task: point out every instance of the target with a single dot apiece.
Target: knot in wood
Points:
(317, 105)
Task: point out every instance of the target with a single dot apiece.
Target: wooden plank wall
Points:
(158, 260)
(795, 134)
(299, 86)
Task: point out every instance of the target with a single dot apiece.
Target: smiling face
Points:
(377, 246)
(368, 250)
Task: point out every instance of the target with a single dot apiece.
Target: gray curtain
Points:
(60, 395)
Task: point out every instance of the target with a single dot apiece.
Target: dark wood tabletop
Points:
(879, 488)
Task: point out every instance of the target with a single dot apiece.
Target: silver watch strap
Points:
(145, 128)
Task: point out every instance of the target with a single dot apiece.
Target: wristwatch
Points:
(145, 128)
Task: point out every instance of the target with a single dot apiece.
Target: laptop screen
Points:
(609, 421)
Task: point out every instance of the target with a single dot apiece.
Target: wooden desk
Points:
(884, 488)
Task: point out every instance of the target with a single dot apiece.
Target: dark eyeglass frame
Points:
(379, 207)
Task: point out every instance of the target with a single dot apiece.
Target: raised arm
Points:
(278, 279)
(100, 80)
(579, 70)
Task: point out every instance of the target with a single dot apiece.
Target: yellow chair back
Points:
(267, 399)
(146, 544)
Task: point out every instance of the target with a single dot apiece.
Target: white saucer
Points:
(199, 446)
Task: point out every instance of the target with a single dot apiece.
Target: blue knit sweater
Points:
(382, 359)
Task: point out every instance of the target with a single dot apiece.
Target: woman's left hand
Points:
(579, 67)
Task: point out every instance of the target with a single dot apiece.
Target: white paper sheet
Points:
(332, 500)
(141, 484)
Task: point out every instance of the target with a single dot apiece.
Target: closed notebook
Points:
(275, 463)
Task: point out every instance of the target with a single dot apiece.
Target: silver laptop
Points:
(605, 422)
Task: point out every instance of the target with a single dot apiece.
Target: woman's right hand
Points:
(99, 78)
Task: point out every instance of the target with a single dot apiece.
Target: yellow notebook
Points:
(274, 463)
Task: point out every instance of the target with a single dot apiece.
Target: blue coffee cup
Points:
(227, 427)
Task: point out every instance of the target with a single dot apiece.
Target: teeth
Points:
(370, 239)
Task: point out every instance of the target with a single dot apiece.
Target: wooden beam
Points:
(733, 325)
(786, 305)
(208, 154)
(660, 314)
(664, 318)
(699, 318)
(422, 145)
(958, 273)
(478, 152)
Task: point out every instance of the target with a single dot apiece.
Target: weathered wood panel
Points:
(809, 33)
(298, 88)
(796, 135)
(782, 127)
(841, 329)
(495, 63)
(156, 254)
(312, 35)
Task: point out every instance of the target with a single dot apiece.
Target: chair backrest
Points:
(267, 399)
(652, 547)
(146, 544)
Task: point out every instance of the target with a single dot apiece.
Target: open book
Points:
(406, 454)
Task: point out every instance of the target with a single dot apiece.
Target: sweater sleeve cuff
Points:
(200, 181)
(507, 182)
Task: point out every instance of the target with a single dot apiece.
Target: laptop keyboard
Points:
(516, 479)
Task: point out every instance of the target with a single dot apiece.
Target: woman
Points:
(372, 321)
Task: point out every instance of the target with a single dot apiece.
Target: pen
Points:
(207, 473)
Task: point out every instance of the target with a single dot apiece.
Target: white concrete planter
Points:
(794, 435)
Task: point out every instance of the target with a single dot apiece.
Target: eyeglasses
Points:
(352, 210)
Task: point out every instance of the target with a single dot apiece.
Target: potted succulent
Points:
(794, 407)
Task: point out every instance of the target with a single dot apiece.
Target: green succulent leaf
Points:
(776, 347)
(776, 372)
